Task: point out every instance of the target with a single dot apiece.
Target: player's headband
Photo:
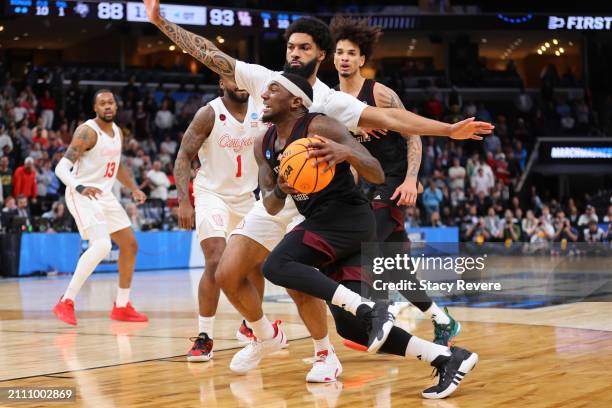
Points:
(293, 88)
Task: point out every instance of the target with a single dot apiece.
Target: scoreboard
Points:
(135, 12)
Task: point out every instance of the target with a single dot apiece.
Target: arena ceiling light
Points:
(172, 47)
(1, 28)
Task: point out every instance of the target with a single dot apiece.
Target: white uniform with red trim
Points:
(223, 187)
(97, 167)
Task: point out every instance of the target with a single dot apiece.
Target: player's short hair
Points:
(357, 31)
(317, 29)
(101, 91)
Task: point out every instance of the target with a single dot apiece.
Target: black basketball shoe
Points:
(380, 319)
(451, 370)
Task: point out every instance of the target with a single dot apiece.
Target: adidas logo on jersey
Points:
(378, 197)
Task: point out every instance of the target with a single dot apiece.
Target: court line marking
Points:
(122, 364)
(105, 334)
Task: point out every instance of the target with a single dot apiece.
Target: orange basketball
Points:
(299, 171)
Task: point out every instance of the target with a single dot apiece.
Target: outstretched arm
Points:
(338, 145)
(195, 135)
(271, 193)
(199, 47)
(408, 123)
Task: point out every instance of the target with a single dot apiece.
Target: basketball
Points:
(299, 170)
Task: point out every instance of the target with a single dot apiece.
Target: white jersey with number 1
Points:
(224, 185)
(227, 161)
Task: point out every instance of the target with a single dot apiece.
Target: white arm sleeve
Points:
(62, 170)
(252, 78)
(341, 106)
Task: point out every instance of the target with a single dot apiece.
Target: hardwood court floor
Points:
(548, 357)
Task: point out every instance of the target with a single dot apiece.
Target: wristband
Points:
(80, 188)
(280, 194)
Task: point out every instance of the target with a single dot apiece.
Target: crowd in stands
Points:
(469, 184)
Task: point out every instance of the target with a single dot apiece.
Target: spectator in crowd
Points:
(135, 217)
(478, 232)
(168, 145)
(544, 231)
(47, 105)
(492, 222)
(588, 215)
(457, 197)
(564, 230)
(435, 220)
(6, 177)
(43, 179)
(413, 217)
(9, 210)
(158, 182)
(509, 229)
(492, 143)
(6, 143)
(23, 209)
(164, 119)
(456, 173)
(546, 214)
(432, 197)
(593, 233)
(59, 219)
(24, 180)
(529, 225)
(40, 135)
(480, 182)
(608, 217)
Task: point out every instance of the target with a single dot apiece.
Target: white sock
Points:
(425, 350)
(436, 314)
(322, 344)
(123, 297)
(207, 325)
(97, 251)
(349, 300)
(262, 329)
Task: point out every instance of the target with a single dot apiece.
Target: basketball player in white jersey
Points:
(89, 169)
(308, 44)
(222, 134)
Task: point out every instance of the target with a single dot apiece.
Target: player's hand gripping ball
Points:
(300, 171)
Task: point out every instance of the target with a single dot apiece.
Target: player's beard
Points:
(305, 71)
(110, 120)
(237, 98)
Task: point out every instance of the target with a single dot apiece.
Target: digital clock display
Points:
(135, 12)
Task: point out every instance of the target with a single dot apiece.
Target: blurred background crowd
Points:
(470, 185)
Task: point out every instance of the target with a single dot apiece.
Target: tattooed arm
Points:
(199, 47)
(407, 191)
(197, 132)
(84, 138)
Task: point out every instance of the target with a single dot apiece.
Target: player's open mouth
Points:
(345, 66)
(296, 64)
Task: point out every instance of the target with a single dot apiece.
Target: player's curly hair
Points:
(357, 31)
(317, 29)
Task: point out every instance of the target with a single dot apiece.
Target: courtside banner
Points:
(489, 274)
(43, 252)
